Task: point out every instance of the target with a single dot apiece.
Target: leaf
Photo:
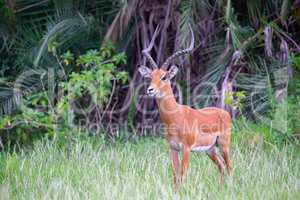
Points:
(296, 62)
(122, 76)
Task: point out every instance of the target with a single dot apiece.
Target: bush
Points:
(37, 116)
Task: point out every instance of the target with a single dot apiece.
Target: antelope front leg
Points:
(185, 162)
(175, 165)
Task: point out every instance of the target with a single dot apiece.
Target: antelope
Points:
(187, 129)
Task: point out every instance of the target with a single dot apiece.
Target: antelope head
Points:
(161, 76)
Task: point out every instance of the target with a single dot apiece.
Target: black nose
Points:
(150, 90)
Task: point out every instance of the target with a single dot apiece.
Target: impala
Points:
(187, 129)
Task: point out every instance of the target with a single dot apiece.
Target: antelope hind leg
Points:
(212, 154)
(175, 165)
(224, 145)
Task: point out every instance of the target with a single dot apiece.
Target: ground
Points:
(141, 170)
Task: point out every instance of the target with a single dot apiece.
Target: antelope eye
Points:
(164, 77)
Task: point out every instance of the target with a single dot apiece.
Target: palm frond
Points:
(62, 31)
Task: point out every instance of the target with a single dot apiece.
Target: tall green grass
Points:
(141, 170)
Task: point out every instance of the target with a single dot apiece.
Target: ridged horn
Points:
(146, 52)
(181, 52)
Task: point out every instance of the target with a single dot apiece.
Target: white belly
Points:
(178, 147)
(202, 148)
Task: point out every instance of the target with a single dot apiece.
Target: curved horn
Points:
(181, 52)
(146, 52)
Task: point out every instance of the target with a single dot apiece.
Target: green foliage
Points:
(5, 122)
(31, 32)
(6, 13)
(67, 57)
(251, 134)
(32, 121)
(294, 107)
(296, 62)
(131, 111)
(235, 99)
(38, 116)
(53, 35)
(294, 116)
(95, 80)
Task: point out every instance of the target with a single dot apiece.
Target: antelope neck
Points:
(167, 104)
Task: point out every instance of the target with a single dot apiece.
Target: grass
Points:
(141, 170)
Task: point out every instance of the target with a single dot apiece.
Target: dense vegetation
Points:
(73, 114)
(64, 68)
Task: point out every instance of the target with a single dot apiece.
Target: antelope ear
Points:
(145, 71)
(172, 72)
